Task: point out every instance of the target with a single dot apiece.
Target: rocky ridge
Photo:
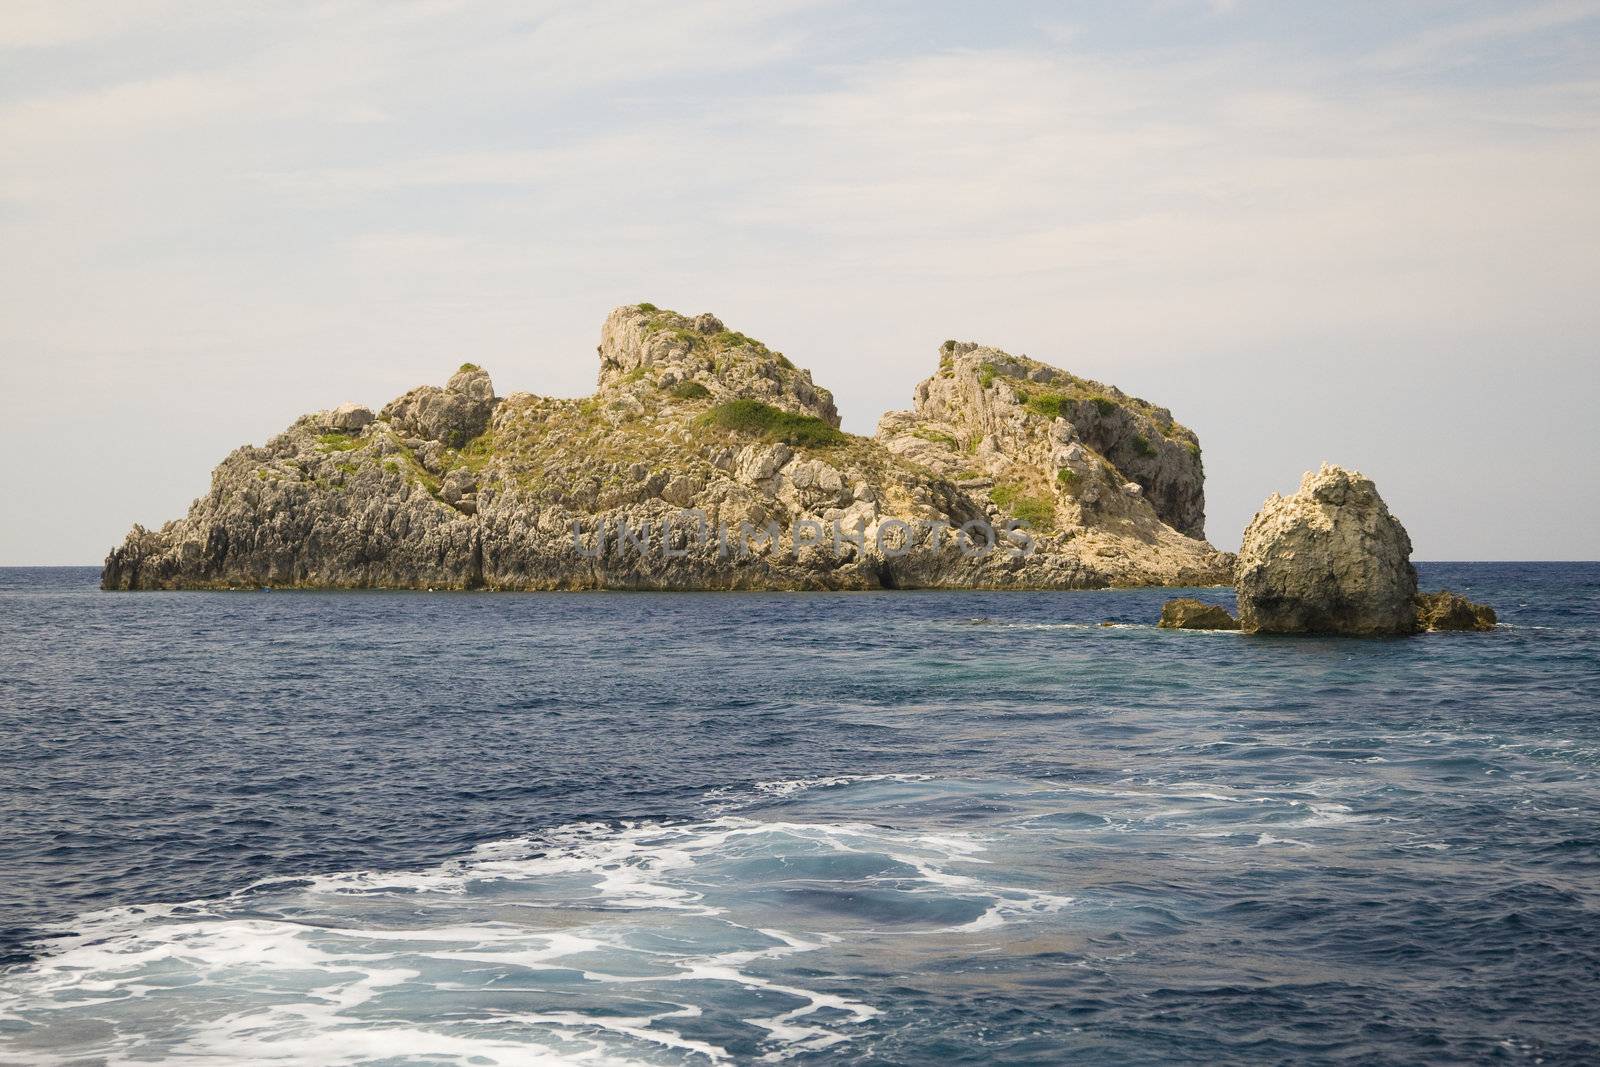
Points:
(1093, 453)
(1107, 475)
(696, 430)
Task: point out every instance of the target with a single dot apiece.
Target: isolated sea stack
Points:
(704, 460)
(1327, 559)
(1331, 559)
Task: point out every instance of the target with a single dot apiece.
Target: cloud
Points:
(40, 24)
(1455, 41)
(334, 202)
(121, 111)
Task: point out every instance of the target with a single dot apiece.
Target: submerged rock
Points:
(1186, 613)
(1328, 559)
(1445, 610)
(704, 460)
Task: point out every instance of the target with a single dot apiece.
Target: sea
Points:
(727, 828)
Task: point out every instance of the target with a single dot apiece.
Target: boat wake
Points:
(630, 943)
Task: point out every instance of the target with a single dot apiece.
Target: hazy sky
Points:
(1361, 232)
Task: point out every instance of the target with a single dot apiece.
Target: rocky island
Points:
(704, 460)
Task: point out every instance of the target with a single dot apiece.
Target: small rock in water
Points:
(1445, 610)
(1186, 613)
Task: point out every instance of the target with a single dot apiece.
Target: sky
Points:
(1366, 233)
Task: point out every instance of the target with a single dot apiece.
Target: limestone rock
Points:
(1186, 613)
(1328, 559)
(643, 486)
(1110, 478)
(645, 345)
(757, 463)
(1445, 610)
(987, 402)
(349, 418)
(682, 490)
(453, 415)
(458, 485)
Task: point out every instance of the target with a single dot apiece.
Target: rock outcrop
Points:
(704, 460)
(1112, 478)
(1186, 613)
(681, 353)
(1329, 559)
(989, 412)
(1445, 610)
(452, 416)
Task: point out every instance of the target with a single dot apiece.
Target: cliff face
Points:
(704, 460)
(1015, 426)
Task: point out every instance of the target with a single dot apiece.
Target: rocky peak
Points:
(347, 418)
(453, 415)
(472, 382)
(1094, 451)
(1336, 487)
(644, 343)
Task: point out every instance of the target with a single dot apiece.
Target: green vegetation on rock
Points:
(418, 472)
(338, 442)
(1046, 404)
(477, 453)
(774, 424)
(689, 390)
(735, 339)
(1036, 511)
(938, 438)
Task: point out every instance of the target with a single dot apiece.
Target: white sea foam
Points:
(1264, 840)
(639, 942)
(592, 943)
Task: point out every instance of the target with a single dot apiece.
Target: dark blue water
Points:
(854, 828)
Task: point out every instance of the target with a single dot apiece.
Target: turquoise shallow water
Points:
(863, 828)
